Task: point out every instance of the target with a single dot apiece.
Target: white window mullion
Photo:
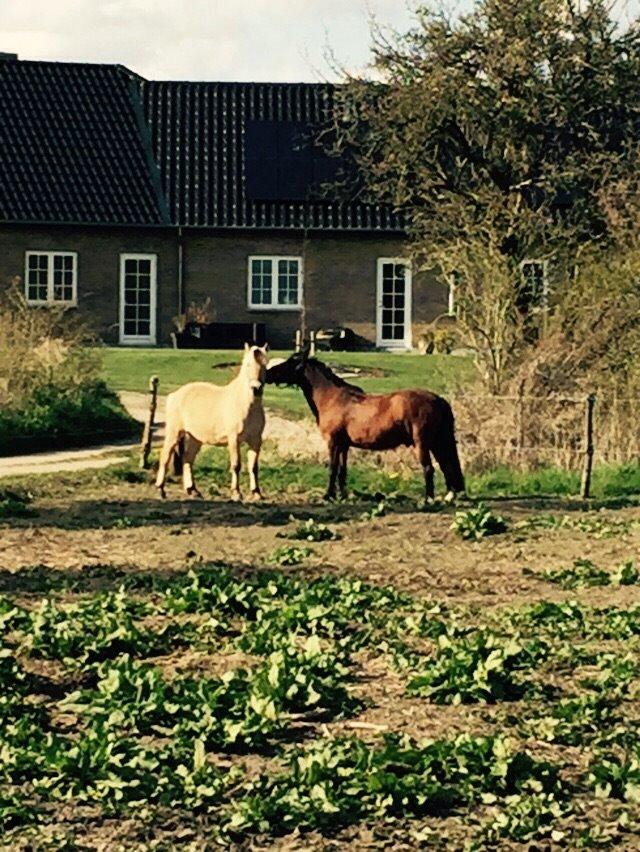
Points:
(50, 278)
(39, 264)
(292, 272)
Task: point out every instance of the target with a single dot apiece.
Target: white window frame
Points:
(50, 255)
(136, 339)
(274, 305)
(407, 341)
(544, 299)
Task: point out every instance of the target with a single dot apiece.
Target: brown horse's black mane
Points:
(328, 373)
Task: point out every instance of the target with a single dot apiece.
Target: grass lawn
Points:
(130, 370)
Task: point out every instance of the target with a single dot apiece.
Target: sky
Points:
(269, 40)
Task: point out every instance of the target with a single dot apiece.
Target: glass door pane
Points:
(392, 296)
(138, 298)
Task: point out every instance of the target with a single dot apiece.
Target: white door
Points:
(138, 284)
(393, 327)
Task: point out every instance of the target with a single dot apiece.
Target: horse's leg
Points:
(234, 464)
(342, 474)
(335, 451)
(424, 457)
(447, 458)
(253, 454)
(189, 453)
(171, 440)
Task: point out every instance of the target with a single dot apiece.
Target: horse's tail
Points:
(447, 451)
(178, 453)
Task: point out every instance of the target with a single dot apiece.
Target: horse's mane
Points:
(328, 373)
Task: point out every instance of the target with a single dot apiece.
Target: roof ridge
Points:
(324, 84)
(77, 63)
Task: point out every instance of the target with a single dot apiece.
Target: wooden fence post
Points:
(590, 402)
(147, 435)
(312, 341)
(298, 340)
(520, 419)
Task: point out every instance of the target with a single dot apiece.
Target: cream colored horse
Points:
(202, 413)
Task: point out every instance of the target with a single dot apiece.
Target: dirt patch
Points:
(124, 525)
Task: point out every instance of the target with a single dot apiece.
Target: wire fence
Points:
(519, 430)
(567, 431)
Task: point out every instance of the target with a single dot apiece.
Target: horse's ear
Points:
(306, 349)
(265, 348)
(246, 347)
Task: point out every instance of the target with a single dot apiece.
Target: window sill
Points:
(45, 304)
(266, 308)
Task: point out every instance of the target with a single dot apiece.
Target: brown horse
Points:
(349, 417)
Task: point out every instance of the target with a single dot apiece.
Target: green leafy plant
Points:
(477, 523)
(289, 555)
(311, 530)
(583, 574)
(94, 630)
(482, 667)
(338, 782)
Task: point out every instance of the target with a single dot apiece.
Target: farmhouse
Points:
(130, 199)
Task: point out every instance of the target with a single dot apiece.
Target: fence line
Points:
(492, 429)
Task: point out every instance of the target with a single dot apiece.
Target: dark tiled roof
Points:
(71, 146)
(97, 144)
(198, 141)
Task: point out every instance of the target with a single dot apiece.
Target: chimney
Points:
(8, 57)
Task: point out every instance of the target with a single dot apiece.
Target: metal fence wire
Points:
(525, 431)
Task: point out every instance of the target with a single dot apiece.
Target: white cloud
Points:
(208, 39)
(200, 39)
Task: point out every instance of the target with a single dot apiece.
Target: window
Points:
(535, 286)
(51, 277)
(275, 283)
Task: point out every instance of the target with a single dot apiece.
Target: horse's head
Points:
(254, 366)
(289, 372)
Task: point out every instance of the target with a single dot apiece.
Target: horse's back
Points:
(201, 409)
(383, 421)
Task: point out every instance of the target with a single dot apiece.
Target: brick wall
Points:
(339, 275)
(99, 252)
(339, 280)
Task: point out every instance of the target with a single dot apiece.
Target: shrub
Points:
(50, 390)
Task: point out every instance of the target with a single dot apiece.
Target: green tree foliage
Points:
(499, 134)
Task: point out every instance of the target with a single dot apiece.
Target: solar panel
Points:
(282, 163)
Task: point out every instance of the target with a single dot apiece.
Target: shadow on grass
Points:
(130, 514)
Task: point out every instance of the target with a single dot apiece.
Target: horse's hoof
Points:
(235, 496)
(450, 496)
(194, 494)
(256, 496)
(163, 493)
(330, 498)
